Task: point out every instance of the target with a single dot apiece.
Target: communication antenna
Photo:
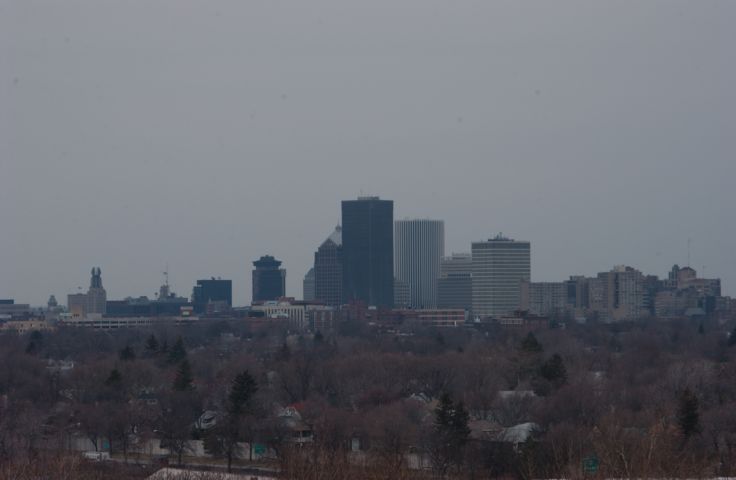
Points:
(688, 251)
(166, 274)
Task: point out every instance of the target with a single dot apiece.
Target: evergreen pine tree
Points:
(222, 441)
(554, 370)
(530, 344)
(443, 413)
(688, 416)
(127, 353)
(284, 352)
(114, 379)
(460, 428)
(152, 344)
(178, 352)
(184, 378)
(36, 340)
(451, 433)
(241, 391)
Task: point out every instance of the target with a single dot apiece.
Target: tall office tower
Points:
(402, 295)
(308, 286)
(214, 291)
(499, 266)
(328, 269)
(96, 295)
(368, 251)
(269, 281)
(419, 246)
(455, 285)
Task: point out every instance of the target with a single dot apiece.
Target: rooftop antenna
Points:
(166, 274)
(688, 251)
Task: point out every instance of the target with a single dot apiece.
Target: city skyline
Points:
(185, 289)
(474, 239)
(135, 140)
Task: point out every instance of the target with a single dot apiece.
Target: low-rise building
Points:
(297, 312)
(455, 284)
(10, 309)
(544, 298)
(100, 322)
(435, 318)
(26, 326)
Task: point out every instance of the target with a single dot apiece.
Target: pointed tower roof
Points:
(335, 237)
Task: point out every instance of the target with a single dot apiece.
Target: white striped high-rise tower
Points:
(419, 246)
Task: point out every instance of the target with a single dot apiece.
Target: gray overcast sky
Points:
(207, 133)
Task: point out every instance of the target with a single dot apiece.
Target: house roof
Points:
(484, 429)
(516, 394)
(518, 433)
(175, 473)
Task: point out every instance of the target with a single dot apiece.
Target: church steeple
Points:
(96, 280)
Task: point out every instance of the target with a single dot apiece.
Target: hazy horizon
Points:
(204, 135)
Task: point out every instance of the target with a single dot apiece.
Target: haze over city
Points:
(414, 239)
(204, 135)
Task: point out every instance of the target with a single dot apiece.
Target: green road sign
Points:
(590, 464)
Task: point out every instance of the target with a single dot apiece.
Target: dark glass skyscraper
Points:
(368, 251)
(269, 281)
(328, 269)
(214, 290)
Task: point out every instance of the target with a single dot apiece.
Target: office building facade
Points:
(455, 284)
(96, 295)
(419, 246)
(328, 269)
(93, 302)
(544, 298)
(402, 294)
(619, 294)
(308, 286)
(269, 281)
(214, 291)
(500, 265)
(9, 308)
(367, 248)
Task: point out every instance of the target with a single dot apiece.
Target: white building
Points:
(99, 322)
(500, 265)
(297, 312)
(419, 246)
